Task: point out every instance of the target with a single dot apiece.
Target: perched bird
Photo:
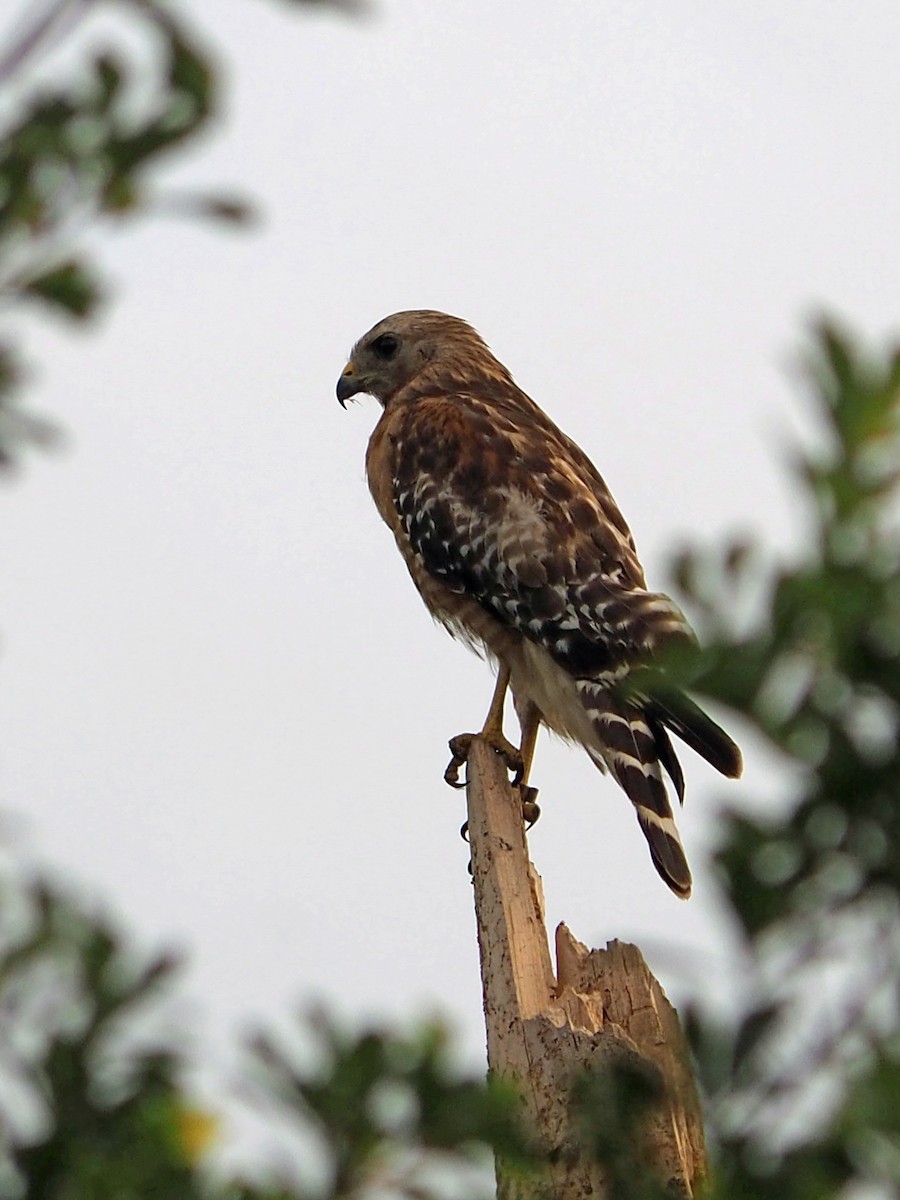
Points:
(516, 545)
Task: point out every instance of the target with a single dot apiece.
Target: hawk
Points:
(517, 546)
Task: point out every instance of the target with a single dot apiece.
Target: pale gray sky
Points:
(223, 705)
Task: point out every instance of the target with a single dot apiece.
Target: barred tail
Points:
(630, 747)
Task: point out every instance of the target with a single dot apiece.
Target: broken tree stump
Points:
(545, 1029)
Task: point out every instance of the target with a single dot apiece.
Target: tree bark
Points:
(543, 1030)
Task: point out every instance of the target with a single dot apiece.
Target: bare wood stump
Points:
(544, 1030)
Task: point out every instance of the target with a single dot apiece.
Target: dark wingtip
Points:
(737, 764)
(699, 731)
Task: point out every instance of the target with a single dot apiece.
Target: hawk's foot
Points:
(462, 744)
(459, 750)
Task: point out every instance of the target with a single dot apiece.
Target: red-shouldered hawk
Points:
(517, 546)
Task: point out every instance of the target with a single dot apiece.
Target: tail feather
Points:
(667, 755)
(689, 722)
(634, 745)
(630, 748)
(666, 851)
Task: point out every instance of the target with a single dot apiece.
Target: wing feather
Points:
(501, 511)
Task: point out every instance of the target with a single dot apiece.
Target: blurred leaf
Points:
(378, 1097)
(78, 148)
(110, 71)
(612, 1105)
(229, 209)
(68, 287)
(755, 1027)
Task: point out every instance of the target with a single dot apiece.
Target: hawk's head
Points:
(395, 350)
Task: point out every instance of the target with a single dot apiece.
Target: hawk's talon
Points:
(464, 831)
(531, 810)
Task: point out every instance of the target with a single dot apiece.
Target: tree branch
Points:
(544, 1032)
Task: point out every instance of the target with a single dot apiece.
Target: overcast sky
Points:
(223, 707)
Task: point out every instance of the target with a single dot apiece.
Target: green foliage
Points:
(83, 151)
(86, 1109)
(67, 286)
(385, 1106)
(91, 1103)
(815, 887)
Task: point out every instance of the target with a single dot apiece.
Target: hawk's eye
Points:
(385, 347)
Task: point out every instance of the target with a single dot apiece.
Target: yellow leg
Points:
(492, 732)
(493, 722)
(530, 721)
(531, 724)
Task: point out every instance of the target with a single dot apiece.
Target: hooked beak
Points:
(347, 385)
